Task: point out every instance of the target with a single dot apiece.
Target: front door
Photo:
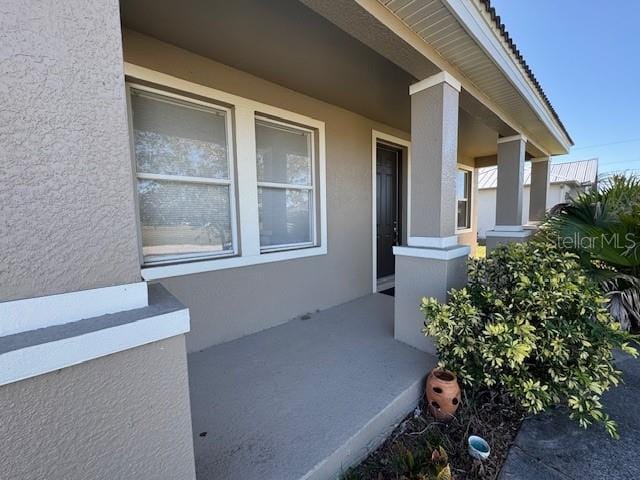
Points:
(388, 160)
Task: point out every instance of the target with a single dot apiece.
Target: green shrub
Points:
(602, 226)
(532, 324)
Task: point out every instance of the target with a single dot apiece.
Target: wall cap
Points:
(36, 352)
(512, 138)
(41, 312)
(433, 253)
(437, 79)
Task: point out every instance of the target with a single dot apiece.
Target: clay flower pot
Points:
(443, 394)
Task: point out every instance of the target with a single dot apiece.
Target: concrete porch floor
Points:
(306, 399)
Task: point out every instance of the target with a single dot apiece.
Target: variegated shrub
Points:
(531, 323)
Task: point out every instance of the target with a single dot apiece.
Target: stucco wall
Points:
(487, 205)
(124, 416)
(231, 303)
(66, 213)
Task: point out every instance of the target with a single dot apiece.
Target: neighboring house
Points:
(176, 176)
(565, 181)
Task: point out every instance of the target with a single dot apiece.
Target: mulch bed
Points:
(407, 451)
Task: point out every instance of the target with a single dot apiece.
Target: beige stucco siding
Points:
(66, 203)
(124, 416)
(227, 304)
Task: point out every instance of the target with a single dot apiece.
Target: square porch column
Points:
(432, 262)
(509, 195)
(538, 190)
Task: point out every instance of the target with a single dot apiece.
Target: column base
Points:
(516, 234)
(424, 272)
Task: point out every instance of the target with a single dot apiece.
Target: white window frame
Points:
(245, 112)
(293, 186)
(230, 182)
(470, 200)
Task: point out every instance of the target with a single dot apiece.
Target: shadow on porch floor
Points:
(304, 399)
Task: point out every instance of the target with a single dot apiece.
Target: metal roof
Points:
(581, 172)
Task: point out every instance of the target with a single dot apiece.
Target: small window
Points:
(184, 178)
(463, 194)
(286, 185)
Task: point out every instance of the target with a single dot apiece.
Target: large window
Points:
(463, 194)
(184, 178)
(223, 181)
(284, 161)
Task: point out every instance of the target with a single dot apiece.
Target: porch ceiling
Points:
(284, 42)
(326, 63)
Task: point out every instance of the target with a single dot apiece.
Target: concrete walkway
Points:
(552, 447)
(304, 399)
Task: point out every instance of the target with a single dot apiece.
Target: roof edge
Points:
(496, 20)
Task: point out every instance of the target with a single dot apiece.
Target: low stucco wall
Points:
(230, 303)
(66, 196)
(124, 416)
(487, 205)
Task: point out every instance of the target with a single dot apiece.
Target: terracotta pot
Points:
(443, 394)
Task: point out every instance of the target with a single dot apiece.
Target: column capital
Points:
(438, 78)
(540, 159)
(512, 138)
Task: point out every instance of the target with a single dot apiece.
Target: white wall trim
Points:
(508, 228)
(47, 357)
(524, 233)
(399, 142)
(245, 111)
(433, 253)
(512, 138)
(40, 312)
(433, 242)
(187, 268)
(539, 159)
(438, 78)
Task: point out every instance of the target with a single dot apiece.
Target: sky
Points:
(586, 56)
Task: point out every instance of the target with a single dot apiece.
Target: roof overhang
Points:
(461, 38)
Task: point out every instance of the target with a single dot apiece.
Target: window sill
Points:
(168, 271)
(460, 231)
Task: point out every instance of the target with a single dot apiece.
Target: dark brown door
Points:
(388, 207)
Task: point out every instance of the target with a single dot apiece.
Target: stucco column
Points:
(93, 368)
(432, 262)
(509, 195)
(538, 190)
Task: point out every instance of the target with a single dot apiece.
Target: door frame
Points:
(405, 146)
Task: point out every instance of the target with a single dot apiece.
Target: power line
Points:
(631, 140)
(616, 161)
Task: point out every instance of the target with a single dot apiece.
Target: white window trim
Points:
(230, 182)
(377, 136)
(245, 112)
(470, 200)
(313, 217)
